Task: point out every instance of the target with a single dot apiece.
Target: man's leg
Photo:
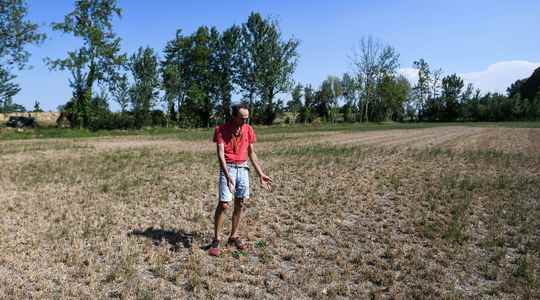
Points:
(238, 213)
(225, 197)
(219, 217)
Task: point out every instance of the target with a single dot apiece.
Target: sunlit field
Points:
(383, 211)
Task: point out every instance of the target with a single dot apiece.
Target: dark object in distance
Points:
(20, 122)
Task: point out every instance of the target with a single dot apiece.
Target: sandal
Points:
(237, 242)
(214, 248)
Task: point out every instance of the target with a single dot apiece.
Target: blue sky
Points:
(490, 43)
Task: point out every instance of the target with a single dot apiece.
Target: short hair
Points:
(235, 109)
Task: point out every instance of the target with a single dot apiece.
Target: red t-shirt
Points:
(236, 147)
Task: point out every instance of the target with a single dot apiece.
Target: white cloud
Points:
(410, 73)
(500, 75)
(496, 78)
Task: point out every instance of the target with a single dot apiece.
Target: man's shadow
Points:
(176, 238)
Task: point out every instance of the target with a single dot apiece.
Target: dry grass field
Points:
(447, 212)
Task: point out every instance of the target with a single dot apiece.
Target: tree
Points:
(9, 107)
(531, 86)
(194, 77)
(99, 58)
(537, 111)
(100, 104)
(435, 83)
(328, 96)
(37, 107)
(265, 64)
(421, 88)
(144, 92)
(307, 112)
(16, 33)
(435, 101)
(452, 86)
(365, 64)
(394, 93)
(119, 90)
(172, 73)
(224, 52)
(515, 88)
(372, 63)
(8, 89)
(201, 89)
(294, 106)
(350, 93)
(465, 111)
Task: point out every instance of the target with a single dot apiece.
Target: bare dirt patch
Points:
(507, 140)
(422, 213)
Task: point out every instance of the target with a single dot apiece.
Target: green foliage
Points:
(294, 106)
(196, 75)
(119, 90)
(107, 120)
(200, 72)
(16, 33)
(515, 88)
(456, 104)
(225, 50)
(452, 89)
(260, 244)
(97, 61)
(8, 107)
(144, 92)
(8, 89)
(393, 93)
(530, 87)
(265, 65)
(37, 107)
(237, 254)
(421, 89)
(350, 94)
(375, 65)
(327, 98)
(308, 111)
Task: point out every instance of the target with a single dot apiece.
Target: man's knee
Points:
(223, 205)
(239, 203)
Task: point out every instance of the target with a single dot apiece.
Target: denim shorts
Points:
(240, 175)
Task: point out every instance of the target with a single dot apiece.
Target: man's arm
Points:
(223, 165)
(221, 158)
(266, 181)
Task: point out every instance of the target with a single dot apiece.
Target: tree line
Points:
(375, 91)
(196, 76)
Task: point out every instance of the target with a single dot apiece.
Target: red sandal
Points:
(214, 248)
(237, 242)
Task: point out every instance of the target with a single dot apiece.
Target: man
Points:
(234, 141)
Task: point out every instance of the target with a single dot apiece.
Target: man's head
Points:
(240, 114)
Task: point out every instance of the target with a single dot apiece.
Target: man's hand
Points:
(230, 183)
(266, 182)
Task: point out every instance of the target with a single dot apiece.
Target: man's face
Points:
(241, 118)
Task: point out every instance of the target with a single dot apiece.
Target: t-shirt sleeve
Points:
(252, 135)
(218, 136)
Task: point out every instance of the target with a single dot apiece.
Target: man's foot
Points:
(214, 248)
(237, 242)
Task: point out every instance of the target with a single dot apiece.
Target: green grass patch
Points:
(206, 133)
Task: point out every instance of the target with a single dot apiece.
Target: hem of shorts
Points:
(243, 198)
